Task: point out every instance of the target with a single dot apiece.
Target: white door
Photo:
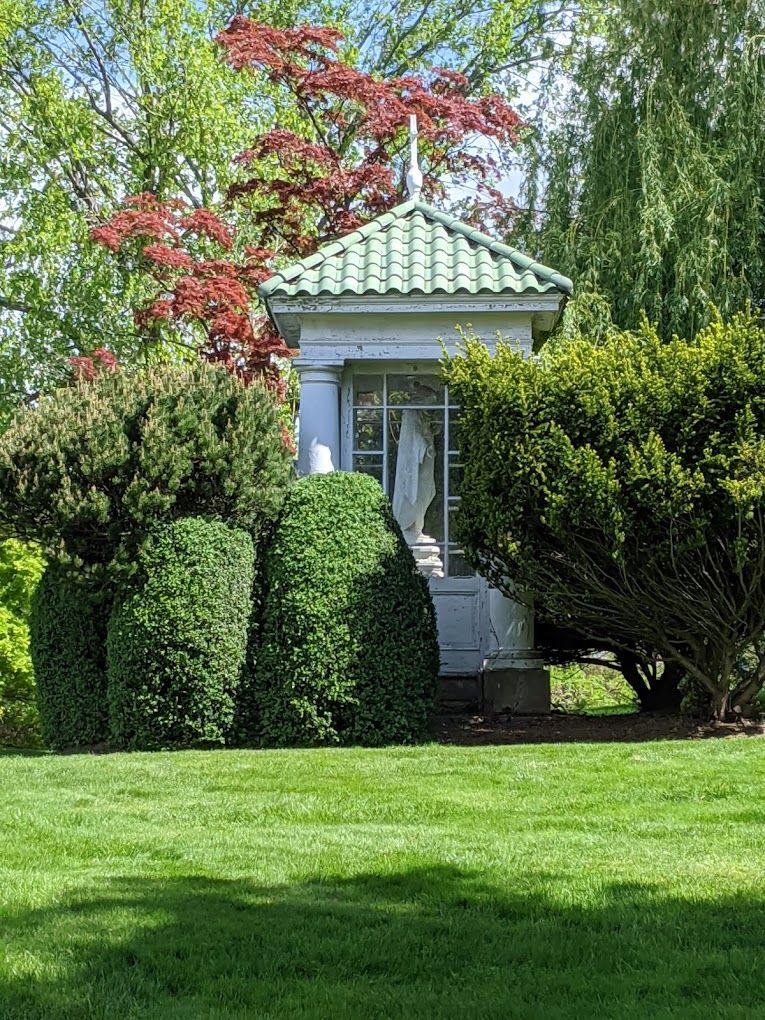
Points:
(392, 412)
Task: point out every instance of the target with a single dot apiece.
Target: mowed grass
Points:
(534, 881)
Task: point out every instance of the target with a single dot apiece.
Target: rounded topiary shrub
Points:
(177, 637)
(348, 650)
(67, 631)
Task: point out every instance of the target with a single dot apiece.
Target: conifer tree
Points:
(95, 465)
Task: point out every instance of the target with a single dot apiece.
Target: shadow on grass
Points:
(435, 942)
(472, 730)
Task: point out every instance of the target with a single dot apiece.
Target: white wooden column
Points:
(318, 418)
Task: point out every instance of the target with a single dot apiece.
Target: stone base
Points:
(460, 693)
(426, 553)
(516, 691)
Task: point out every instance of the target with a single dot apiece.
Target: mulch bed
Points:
(472, 730)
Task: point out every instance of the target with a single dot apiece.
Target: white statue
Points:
(319, 459)
(415, 488)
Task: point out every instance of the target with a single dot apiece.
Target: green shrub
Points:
(622, 485)
(67, 634)
(590, 690)
(177, 637)
(20, 570)
(349, 652)
(92, 467)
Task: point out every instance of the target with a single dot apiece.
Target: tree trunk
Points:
(747, 691)
(664, 695)
(629, 666)
(721, 710)
(656, 694)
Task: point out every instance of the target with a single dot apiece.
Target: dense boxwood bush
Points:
(348, 650)
(177, 637)
(622, 484)
(20, 570)
(67, 644)
(90, 468)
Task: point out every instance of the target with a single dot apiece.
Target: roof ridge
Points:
(381, 224)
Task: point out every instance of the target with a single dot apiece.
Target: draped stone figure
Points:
(415, 488)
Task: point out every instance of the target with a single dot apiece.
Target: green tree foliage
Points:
(98, 100)
(493, 43)
(68, 634)
(20, 570)
(622, 484)
(651, 179)
(103, 100)
(348, 651)
(92, 466)
(177, 637)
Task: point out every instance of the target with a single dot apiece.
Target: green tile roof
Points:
(415, 249)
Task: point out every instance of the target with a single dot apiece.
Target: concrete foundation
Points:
(516, 691)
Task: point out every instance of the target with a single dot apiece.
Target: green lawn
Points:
(545, 881)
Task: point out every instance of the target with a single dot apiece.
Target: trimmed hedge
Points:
(177, 637)
(349, 650)
(67, 644)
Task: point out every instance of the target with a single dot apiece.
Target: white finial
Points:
(414, 175)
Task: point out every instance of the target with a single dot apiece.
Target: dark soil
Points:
(558, 728)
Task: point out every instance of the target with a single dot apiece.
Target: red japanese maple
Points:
(344, 168)
(85, 368)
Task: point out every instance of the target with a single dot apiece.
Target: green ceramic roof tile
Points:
(415, 249)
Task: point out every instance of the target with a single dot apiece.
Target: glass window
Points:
(455, 475)
(454, 430)
(404, 436)
(417, 390)
(368, 429)
(367, 390)
(458, 565)
(369, 464)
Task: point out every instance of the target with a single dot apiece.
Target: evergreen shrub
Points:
(348, 649)
(67, 634)
(92, 467)
(20, 569)
(621, 484)
(177, 637)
